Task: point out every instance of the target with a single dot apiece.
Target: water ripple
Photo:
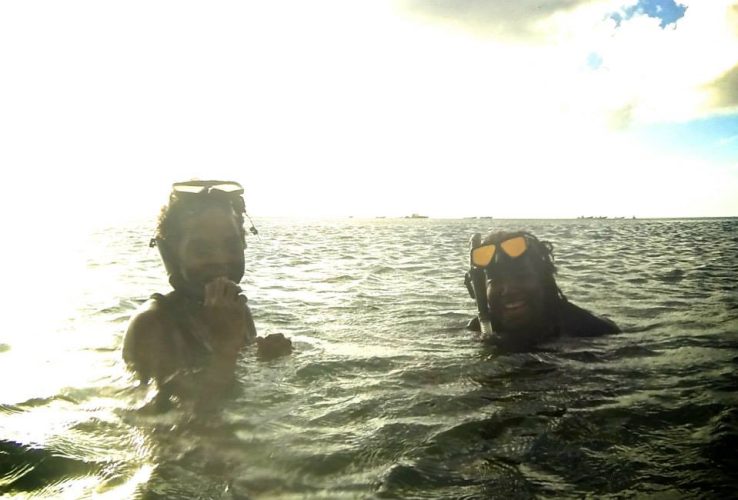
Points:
(387, 395)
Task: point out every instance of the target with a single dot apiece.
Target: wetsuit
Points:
(573, 321)
(192, 344)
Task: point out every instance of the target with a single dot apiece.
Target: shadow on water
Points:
(547, 433)
(28, 469)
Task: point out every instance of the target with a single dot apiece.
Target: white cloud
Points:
(518, 20)
(338, 107)
(647, 72)
(661, 74)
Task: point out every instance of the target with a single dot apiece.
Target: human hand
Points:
(224, 312)
(273, 346)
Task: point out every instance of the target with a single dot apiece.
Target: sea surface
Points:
(387, 395)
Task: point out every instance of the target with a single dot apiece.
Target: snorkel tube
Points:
(477, 285)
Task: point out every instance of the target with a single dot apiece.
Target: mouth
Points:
(514, 305)
(514, 309)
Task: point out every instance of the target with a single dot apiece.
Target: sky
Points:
(448, 108)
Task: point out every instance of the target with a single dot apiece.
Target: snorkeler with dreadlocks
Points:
(189, 340)
(511, 277)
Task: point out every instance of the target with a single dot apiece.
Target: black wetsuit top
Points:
(574, 322)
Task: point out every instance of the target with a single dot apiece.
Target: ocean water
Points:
(386, 395)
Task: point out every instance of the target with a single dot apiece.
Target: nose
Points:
(220, 256)
(500, 290)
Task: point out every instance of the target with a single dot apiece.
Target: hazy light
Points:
(361, 108)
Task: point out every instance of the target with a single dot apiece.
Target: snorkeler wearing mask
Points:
(188, 340)
(519, 304)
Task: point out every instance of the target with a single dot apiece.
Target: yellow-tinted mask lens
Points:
(514, 247)
(482, 256)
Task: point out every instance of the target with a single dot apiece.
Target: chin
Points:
(518, 333)
(511, 342)
(527, 332)
(501, 323)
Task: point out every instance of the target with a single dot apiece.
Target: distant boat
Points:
(416, 216)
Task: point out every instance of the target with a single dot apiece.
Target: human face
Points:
(515, 294)
(210, 246)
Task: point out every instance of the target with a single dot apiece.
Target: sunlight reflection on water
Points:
(386, 394)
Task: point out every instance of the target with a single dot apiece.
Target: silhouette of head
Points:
(200, 236)
(522, 293)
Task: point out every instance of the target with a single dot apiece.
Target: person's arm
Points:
(155, 348)
(272, 346)
(250, 330)
(142, 347)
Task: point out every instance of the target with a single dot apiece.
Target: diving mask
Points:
(484, 254)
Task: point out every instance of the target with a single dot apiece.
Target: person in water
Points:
(189, 340)
(511, 277)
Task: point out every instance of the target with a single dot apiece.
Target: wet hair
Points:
(182, 207)
(540, 254)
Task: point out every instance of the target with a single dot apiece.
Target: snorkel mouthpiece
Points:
(479, 286)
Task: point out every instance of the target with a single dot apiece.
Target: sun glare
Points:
(318, 115)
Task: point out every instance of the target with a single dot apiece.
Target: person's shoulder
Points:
(578, 322)
(148, 316)
(144, 334)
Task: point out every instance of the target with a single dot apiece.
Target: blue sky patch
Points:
(594, 61)
(715, 138)
(668, 11)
